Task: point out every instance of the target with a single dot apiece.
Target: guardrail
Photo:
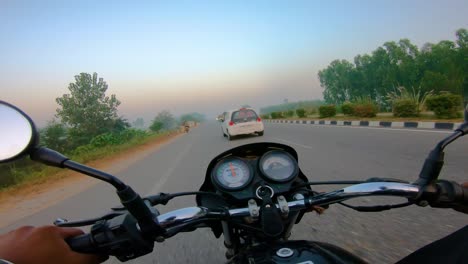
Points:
(392, 124)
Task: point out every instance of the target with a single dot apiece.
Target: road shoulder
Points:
(22, 202)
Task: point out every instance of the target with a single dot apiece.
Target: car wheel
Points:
(229, 137)
(224, 134)
(260, 133)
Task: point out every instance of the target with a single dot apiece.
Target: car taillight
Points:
(231, 123)
(259, 119)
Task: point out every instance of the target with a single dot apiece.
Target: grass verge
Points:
(37, 173)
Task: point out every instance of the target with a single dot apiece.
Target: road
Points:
(325, 153)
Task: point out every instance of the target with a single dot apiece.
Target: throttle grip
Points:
(82, 244)
(449, 195)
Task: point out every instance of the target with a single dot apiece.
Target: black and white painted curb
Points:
(388, 124)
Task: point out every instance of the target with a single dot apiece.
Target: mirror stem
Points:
(75, 166)
(56, 159)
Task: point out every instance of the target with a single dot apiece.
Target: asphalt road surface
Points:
(325, 153)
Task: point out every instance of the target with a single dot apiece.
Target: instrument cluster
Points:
(240, 177)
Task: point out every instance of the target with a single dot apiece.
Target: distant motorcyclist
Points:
(186, 126)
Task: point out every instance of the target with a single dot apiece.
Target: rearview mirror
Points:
(17, 133)
(466, 113)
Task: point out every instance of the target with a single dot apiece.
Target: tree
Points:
(120, 124)
(139, 123)
(336, 81)
(462, 42)
(54, 136)
(87, 110)
(436, 67)
(197, 117)
(163, 121)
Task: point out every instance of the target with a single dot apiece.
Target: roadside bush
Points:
(300, 112)
(313, 111)
(289, 113)
(276, 115)
(444, 105)
(405, 108)
(327, 111)
(347, 108)
(104, 140)
(117, 138)
(365, 110)
(265, 116)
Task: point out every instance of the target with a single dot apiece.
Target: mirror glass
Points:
(466, 113)
(16, 132)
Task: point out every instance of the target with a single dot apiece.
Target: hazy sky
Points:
(204, 56)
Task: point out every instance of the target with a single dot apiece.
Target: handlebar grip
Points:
(464, 195)
(449, 195)
(83, 244)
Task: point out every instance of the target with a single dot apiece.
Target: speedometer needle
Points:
(233, 172)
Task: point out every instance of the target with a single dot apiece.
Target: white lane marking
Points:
(379, 128)
(157, 186)
(292, 143)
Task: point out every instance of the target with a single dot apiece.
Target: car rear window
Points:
(244, 115)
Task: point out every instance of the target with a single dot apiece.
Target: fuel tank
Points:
(298, 252)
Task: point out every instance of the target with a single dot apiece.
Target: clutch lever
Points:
(65, 223)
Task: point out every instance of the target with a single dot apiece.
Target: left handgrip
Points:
(83, 244)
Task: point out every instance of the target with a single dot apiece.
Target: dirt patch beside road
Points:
(28, 199)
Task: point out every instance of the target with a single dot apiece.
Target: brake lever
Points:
(65, 223)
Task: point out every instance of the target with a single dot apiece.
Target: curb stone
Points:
(390, 124)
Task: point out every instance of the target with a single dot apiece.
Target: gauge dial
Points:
(232, 174)
(278, 166)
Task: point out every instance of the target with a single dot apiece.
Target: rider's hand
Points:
(463, 208)
(42, 245)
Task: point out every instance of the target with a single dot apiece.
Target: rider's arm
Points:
(42, 245)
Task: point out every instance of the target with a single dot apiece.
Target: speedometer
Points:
(278, 166)
(232, 174)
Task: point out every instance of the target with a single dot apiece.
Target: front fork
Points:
(231, 252)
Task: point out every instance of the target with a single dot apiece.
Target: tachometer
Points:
(232, 174)
(278, 166)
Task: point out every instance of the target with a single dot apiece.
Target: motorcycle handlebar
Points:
(446, 194)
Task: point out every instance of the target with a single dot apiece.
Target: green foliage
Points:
(307, 105)
(18, 171)
(196, 117)
(156, 126)
(163, 121)
(139, 123)
(87, 111)
(347, 108)
(438, 67)
(289, 113)
(24, 169)
(327, 111)
(416, 95)
(266, 116)
(365, 110)
(276, 115)
(120, 124)
(54, 136)
(445, 105)
(301, 112)
(116, 138)
(313, 111)
(405, 108)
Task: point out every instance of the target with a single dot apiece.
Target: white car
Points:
(241, 121)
